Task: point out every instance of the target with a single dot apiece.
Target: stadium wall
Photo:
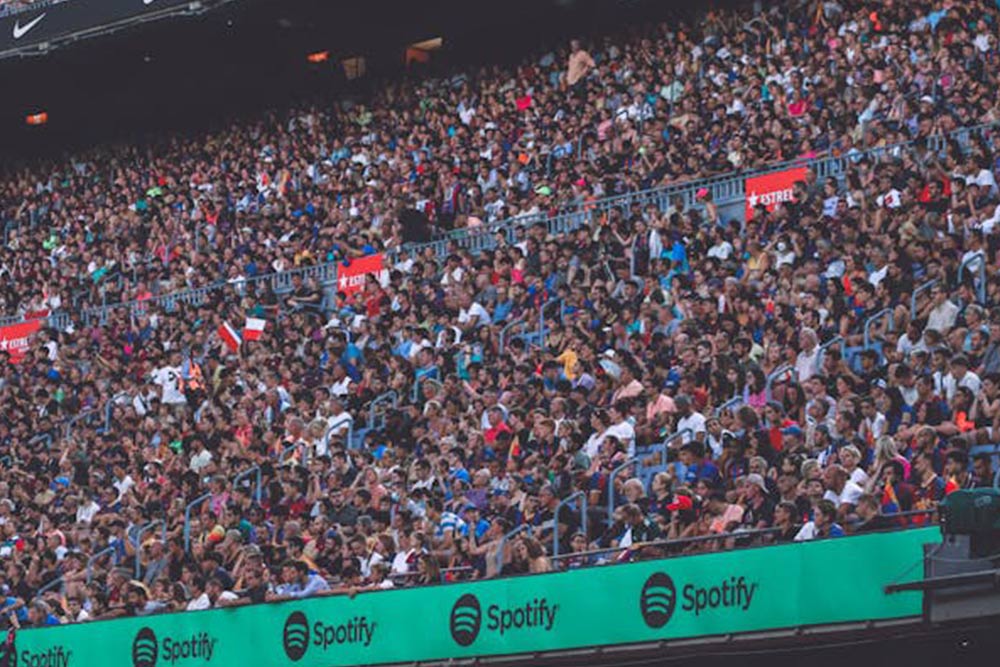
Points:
(744, 591)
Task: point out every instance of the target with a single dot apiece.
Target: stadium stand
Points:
(511, 321)
(11, 7)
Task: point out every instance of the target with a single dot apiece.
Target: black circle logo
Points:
(466, 617)
(145, 648)
(658, 600)
(296, 636)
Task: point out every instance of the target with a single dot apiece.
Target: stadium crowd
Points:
(669, 321)
(9, 7)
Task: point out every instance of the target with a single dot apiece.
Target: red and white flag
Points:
(230, 336)
(254, 328)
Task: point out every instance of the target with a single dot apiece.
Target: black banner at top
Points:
(27, 30)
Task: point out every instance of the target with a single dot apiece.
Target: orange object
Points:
(40, 118)
(318, 57)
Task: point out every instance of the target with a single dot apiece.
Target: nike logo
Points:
(148, 2)
(22, 30)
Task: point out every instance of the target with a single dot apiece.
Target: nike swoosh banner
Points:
(841, 580)
(49, 23)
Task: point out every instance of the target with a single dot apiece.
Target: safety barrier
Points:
(567, 502)
(979, 259)
(731, 404)
(107, 551)
(917, 292)
(187, 518)
(772, 377)
(885, 313)
(347, 420)
(541, 319)
(836, 340)
(718, 594)
(257, 474)
(523, 528)
(612, 497)
(376, 419)
(138, 541)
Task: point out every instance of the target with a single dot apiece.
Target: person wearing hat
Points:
(758, 506)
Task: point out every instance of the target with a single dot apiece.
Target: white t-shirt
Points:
(694, 421)
(474, 312)
(168, 379)
(970, 381)
(625, 433)
(849, 494)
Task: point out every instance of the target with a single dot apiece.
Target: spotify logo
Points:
(145, 648)
(296, 636)
(658, 600)
(466, 617)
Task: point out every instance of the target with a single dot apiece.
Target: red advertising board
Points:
(351, 278)
(14, 339)
(771, 189)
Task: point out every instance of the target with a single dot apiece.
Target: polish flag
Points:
(254, 328)
(230, 337)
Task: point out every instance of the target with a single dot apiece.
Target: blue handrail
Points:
(870, 322)
(582, 495)
(349, 420)
(773, 376)
(138, 541)
(979, 259)
(187, 519)
(917, 292)
(376, 418)
(664, 447)
(258, 478)
(733, 402)
(611, 486)
(93, 559)
(525, 527)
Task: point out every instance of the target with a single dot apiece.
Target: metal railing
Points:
(187, 518)
(821, 357)
(979, 259)
(52, 585)
(772, 377)
(107, 551)
(336, 426)
(109, 407)
(916, 293)
(871, 321)
(673, 545)
(508, 332)
(377, 419)
(565, 502)
(138, 541)
(732, 403)
(612, 497)
(258, 481)
(664, 447)
(503, 542)
(541, 319)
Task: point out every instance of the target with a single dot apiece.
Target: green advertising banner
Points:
(765, 588)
